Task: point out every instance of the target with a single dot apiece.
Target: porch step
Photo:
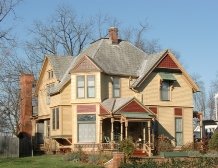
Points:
(139, 153)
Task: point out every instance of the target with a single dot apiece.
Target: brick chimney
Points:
(26, 82)
(113, 35)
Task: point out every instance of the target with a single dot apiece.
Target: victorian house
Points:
(111, 91)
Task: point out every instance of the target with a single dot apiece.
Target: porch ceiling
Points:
(136, 115)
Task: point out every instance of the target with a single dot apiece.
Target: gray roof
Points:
(60, 64)
(116, 59)
(114, 104)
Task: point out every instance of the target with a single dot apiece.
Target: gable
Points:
(43, 75)
(167, 63)
(85, 65)
(133, 106)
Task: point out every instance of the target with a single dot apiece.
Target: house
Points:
(111, 91)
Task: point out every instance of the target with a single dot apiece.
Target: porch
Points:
(134, 125)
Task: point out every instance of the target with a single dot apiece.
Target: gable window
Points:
(55, 118)
(90, 86)
(50, 74)
(80, 86)
(116, 87)
(165, 90)
(179, 131)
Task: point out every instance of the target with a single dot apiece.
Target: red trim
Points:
(168, 63)
(178, 111)
(86, 108)
(153, 109)
(133, 107)
(103, 111)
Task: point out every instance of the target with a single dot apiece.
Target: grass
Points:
(47, 161)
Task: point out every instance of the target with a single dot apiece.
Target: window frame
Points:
(55, 118)
(80, 87)
(164, 90)
(50, 74)
(90, 87)
(115, 88)
(179, 132)
(85, 120)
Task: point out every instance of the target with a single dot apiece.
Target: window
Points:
(116, 87)
(165, 90)
(55, 118)
(49, 88)
(88, 89)
(91, 86)
(50, 74)
(179, 132)
(80, 86)
(86, 127)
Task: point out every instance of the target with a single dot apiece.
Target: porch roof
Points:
(136, 115)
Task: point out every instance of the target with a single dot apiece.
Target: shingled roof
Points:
(118, 57)
(60, 64)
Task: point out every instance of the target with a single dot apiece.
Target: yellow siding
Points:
(187, 125)
(167, 121)
(181, 94)
(67, 120)
(65, 94)
(43, 107)
(97, 98)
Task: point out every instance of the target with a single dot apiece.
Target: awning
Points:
(136, 115)
(167, 76)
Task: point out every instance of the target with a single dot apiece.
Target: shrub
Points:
(127, 147)
(164, 144)
(213, 143)
(76, 156)
(188, 146)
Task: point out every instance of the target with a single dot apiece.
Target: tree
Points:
(9, 68)
(199, 97)
(211, 98)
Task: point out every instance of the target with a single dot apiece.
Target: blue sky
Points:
(189, 27)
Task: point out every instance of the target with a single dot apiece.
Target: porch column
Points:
(121, 130)
(143, 133)
(126, 128)
(100, 138)
(149, 137)
(112, 129)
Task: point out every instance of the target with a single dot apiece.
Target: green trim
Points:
(167, 76)
(137, 115)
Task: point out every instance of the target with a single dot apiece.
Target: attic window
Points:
(50, 74)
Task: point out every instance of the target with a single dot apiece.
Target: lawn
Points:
(47, 161)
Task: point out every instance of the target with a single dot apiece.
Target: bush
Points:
(213, 143)
(164, 144)
(127, 147)
(188, 146)
(77, 156)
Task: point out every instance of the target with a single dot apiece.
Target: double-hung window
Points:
(55, 118)
(80, 86)
(90, 86)
(179, 131)
(116, 87)
(165, 90)
(86, 128)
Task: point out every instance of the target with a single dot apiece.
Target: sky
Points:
(190, 27)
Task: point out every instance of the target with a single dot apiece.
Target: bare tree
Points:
(211, 98)
(199, 97)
